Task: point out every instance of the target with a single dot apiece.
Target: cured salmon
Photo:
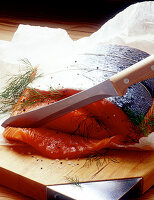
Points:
(97, 120)
(77, 134)
(78, 122)
(56, 144)
(103, 124)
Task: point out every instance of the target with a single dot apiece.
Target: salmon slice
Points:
(76, 134)
(144, 129)
(55, 144)
(97, 120)
(78, 122)
(111, 116)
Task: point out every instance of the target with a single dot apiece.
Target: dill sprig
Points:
(35, 97)
(147, 125)
(142, 124)
(135, 117)
(73, 180)
(84, 126)
(15, 86)
(99, 158)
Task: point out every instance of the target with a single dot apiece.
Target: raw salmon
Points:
(103, 124)
(78, 122)
(55, 144)
(97, 120)
(142, 130)
(77, 134)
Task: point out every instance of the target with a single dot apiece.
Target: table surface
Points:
(76, 29)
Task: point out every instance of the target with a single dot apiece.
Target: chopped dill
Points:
(15, 86)
(73, 180)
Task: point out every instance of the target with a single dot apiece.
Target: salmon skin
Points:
(103, 124)
(109, 59)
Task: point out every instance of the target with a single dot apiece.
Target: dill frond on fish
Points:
(15, 86)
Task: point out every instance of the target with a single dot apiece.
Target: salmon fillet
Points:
(76, 134)
(56, 144)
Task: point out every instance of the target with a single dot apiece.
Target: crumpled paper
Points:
(132, 27)
(55, 52)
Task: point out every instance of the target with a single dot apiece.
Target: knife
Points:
(114, 86)
(100, 190)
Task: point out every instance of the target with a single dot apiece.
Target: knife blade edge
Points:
(61, 107)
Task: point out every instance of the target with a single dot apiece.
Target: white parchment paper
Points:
(54, 51)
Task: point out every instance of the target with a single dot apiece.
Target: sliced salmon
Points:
(76, 134)
(111, 116)
(102, 124)
(55, 144)
(78, 122)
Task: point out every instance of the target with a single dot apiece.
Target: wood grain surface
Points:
(123, 164)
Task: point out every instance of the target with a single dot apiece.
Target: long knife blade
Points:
(114, 86)
(100, 190)
(55, 110)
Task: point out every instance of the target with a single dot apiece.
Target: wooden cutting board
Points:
(29, 173)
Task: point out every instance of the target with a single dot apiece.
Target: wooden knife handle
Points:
(138, 72)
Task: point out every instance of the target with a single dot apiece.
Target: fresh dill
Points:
(15, 86)
(142, 125)
(84, 126)
(73, 180)
(100, 158)
(147, 125)
(35, 96)
(135, 117)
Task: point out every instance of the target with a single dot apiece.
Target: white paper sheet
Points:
(54, 51)
(132, 27)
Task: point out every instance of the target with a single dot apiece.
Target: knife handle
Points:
(140, 71)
